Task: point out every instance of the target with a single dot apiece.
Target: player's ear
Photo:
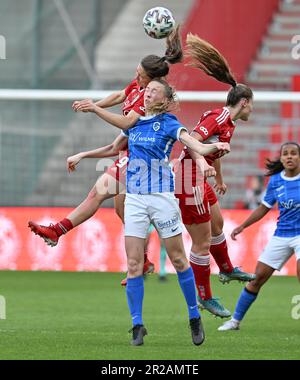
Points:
(244, 102)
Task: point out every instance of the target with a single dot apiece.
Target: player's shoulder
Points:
(277, 179)
(133, 86)
(219, 116)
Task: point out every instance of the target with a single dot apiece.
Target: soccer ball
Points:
(158, 22)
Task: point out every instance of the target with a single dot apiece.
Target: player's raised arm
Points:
(256, 215)
(119, 121)
(110, 150)
(203, 149)
(115, 98)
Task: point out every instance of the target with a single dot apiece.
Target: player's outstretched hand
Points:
(72, 161)
(220, 188)
(209, 171)
(236, 231)
(85, 105)
(223, 147)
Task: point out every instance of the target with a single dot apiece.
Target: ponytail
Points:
(157, 67)
(208, 59)
(174, 52)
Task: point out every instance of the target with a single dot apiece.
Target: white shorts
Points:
(160, 209)
(279, 250)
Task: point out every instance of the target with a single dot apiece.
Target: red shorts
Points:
(211, 195)
(118, 169)
(195, 208)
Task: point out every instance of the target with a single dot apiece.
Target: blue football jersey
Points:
(286, 192)
(150, 143)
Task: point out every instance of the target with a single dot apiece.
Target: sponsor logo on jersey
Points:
(135, 136)
(169, 223)
(156, 126)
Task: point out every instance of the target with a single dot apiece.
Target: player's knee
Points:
(179, 261)
(217, 225)
(217, 228)
(258, 282)
(92, 194)
(201, 247)
(135, 266)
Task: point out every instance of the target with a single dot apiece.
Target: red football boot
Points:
(47, 233)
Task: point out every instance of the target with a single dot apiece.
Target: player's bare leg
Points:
(248, 295)
(106, 187)
(148, 265)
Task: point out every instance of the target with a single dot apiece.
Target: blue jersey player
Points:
(150, 199)
(283, 189)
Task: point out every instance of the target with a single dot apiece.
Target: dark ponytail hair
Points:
(157, 67)
(237, 93)
(275, 166)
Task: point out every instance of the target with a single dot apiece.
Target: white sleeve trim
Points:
(123, 134)
(266, 204)
(179, 131)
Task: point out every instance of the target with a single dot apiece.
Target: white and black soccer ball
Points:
(158, 22)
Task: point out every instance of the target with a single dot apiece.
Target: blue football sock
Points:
(245, 301)
(187, 283)
(135, 295)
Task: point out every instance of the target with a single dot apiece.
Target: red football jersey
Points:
(214, 126)
(134, 99)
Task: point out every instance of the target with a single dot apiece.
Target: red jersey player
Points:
(198, 202)
(110, 183)
(200, 208)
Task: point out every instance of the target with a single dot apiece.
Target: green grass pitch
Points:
(56, 315)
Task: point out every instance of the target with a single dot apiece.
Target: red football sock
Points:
(201, 269)
(63, 226)
(219, 251)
